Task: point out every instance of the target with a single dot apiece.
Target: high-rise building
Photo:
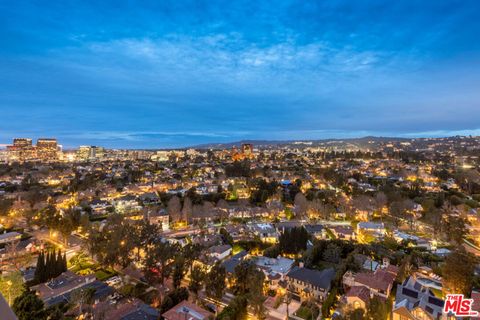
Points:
(22, 142)
(47, 149)
(21, 150)
(90, 153)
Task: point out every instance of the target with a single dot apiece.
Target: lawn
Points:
(11, 285)
(82, 264)
(330, 234)
(304, 313)
(236, 249)
(104, 274)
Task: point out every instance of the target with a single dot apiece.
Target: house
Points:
(141, 311)
(287, 226)
(442, 252)
(416, 241)
(187, 310)
(316, 230)
(414, 302)
(279, 265)
(237, 232)
(220, 252)
(58, 290)
(358, 297)
(266, 232)
(343, 232)
(8, 237)
(375, 228)
(379, 283)
(231, 263)
(275, 269)
(160, 218)
(99, 206)
(208, 240)
(307, 283)
(149, 198)
(126, 204)
(129, 309)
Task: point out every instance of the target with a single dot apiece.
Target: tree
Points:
(356, 314)
(197, 278)
(68, 223)
(236, 309)
(458, 271)
(156, 267)
(378, 309)
(28, 306)
(227, 238)
(187, 209)
(174, 209)
(55, 314)
(406, 269)
(82, 296)
(113, 245)
(255, 294)
(34, 196)
(5, 206)
(332, 253)
(249, 282)
(316, 209)
(50, 218)
(17, 258)
(143, 234)
(300, 204)
(293, 240)
(222, 207)
(455, 228)
(190, 253)
(215, 282)
(178, 271)
(173, 298)
(40, 271)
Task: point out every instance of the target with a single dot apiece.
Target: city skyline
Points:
(166, 75)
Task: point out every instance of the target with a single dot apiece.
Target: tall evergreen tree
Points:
(64, 260)
(40, 269)
(59, 263)
(48, 265)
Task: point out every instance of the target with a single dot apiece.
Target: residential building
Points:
(187, 310)
(308, 283)
(58, 290)
(220, 252)
(415, 302)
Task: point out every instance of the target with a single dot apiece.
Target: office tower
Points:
(47, 149)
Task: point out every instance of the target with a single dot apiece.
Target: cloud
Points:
(178, 73)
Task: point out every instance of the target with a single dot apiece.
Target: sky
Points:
(164, 74)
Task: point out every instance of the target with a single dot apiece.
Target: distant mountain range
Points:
(349, 143)
(358, 142)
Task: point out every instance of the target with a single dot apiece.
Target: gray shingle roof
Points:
(317, 278)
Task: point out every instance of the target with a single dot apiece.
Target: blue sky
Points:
(146, 74)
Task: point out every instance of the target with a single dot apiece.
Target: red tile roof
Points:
(361, 292)
(186, 310)
(380, 280)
